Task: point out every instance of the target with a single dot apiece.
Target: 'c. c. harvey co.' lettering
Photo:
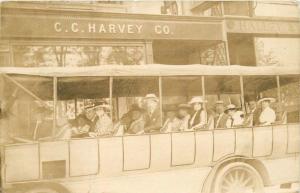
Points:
(108, 28)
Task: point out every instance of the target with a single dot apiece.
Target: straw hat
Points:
(230, 107)
(271, 100)
(151, 97)
(97, 106)
(197, 99)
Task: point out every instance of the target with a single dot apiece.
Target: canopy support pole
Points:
(203, 90)
(160, 99)
(54, 105)
(242, 93)
(278, 93)
(110, 96)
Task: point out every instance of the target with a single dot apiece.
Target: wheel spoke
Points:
(242, 177)
(248, 179)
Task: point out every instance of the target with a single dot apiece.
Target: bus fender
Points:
(258, 165)
(33, 185)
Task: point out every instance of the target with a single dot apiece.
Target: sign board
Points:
(263, 26)
(23, 26)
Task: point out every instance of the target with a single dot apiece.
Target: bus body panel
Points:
(173, 181)
(283, 170)
(150, 155)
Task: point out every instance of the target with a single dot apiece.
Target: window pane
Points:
(290, 98)
(277, 51)
(30, 56)
(177, 92)
(137, 104)
(85, 102)
(256, 88)
(223, 92)
(27, 109)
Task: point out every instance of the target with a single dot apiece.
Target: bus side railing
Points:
(148, 152)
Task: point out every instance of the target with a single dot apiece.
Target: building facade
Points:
(144, 32)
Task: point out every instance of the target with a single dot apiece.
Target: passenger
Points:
(230, 111)
(81, 127)
(104, 125)
(239, 118)
(221, 117)
(172, 123)
(137, 121)
(184, 116)
(252, 118)
(153, 116)
(268, 115)
(199, 117)
(90, 113)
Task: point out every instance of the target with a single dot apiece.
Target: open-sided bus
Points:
(239, 159)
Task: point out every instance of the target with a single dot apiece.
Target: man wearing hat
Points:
(184, 115)
(221, 118)
(267, 115)
(252, 118)
(172, 122)
(90, 113)
(230, 110)
(199, 117)
(153, 116)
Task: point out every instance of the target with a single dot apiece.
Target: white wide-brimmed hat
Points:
(230, 107)
(97, 106)
(151, 97)
(197, 99)
(219, 102)
(271, 100)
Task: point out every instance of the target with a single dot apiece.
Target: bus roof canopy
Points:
(151, 70)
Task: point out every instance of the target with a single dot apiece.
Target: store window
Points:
(277, 51)
(4, 56)
(31, 56)
(170, 8)
(288, 8)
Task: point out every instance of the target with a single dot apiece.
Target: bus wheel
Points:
(238, 178)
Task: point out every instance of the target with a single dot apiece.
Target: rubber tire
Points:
(219, 176)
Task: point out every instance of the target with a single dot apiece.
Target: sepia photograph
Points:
(150, 96)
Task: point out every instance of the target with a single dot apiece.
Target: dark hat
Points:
(184, 106)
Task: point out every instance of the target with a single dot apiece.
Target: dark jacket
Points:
(153, 122)
(93, 123)
(222, 121)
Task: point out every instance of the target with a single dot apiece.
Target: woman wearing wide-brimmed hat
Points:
(199, 117)
(267, 115)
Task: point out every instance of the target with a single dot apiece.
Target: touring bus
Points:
(224, 160)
